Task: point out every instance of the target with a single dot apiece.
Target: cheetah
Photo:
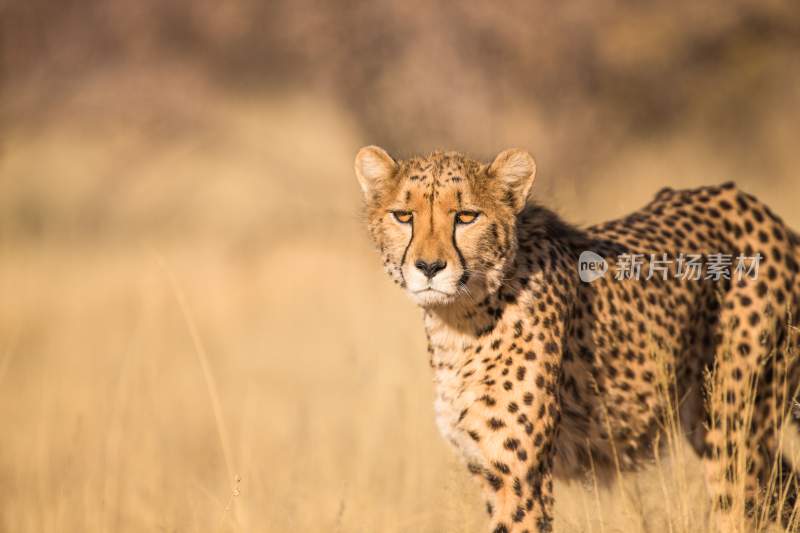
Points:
(540, 375)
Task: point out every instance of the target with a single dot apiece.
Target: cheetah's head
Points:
(445, 224)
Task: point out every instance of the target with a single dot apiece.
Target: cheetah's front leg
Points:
(518, 499)
(516, 442)
(518, 481)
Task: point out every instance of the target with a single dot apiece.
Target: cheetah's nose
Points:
(430, 269)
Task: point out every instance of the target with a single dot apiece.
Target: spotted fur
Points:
(539, 375)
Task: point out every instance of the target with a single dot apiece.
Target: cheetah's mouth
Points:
(431, 289)
(429, 296)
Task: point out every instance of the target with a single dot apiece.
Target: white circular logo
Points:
(591, 266)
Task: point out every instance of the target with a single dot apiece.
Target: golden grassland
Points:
(195, 334)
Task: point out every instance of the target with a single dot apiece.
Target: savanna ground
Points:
(195, 334)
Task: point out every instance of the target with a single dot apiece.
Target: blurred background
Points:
(195, 334)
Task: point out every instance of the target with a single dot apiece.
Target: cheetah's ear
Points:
(516, 169)
(374, 167)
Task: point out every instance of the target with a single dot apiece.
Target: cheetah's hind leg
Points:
(750, 394)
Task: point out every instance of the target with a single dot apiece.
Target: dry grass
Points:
(196, 336)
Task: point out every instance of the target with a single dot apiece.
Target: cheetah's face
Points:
(445, 224)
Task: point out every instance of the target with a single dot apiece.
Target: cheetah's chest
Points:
(455, 389)
(451, 406)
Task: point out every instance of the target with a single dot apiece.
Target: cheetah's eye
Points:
(403, 217)
(466, 217)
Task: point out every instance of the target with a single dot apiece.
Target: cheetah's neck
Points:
(541, 235)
